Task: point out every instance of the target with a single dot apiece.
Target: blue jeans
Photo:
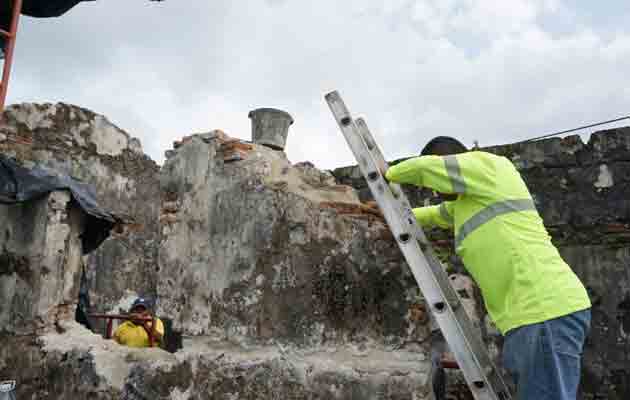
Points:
(544, 358)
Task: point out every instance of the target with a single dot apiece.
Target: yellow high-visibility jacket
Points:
(499, 236)
(132, 335)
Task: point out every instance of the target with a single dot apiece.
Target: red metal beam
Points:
(110, 324)
(111, 317)
(8, 51)
(119, 316)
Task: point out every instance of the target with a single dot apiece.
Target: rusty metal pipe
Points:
(119, 316)
(110, 325)
(8, 51)
(152, 333)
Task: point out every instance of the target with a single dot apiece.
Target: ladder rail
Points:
(9, 47)
(481, 375)
(405, 210)
(439, 273)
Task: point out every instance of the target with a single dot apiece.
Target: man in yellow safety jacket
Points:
(135, 332)
(531, 294)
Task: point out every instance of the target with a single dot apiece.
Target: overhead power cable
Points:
(574, 129)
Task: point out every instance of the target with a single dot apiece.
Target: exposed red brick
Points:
(418, 313)
(340, 188)
(20, 140)
(235, 150)
(168, 218)
(170, 207)
(617, 228)
(352, 209)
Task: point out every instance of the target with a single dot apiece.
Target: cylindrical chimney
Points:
(270, 127)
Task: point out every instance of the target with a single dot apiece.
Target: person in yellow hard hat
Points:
(531, 294)
(136, 331)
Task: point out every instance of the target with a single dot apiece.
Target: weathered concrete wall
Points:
(85, 145)
(52, 357)
(75, 364)
(262, 250)
(254, 252)
(40, 260)
(582, 190)
(290, 284)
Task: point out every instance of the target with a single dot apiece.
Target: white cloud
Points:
(486, 70)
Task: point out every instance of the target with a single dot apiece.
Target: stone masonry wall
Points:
(309, 315)
(86, 146)
(582, 191)
(284, 279)
(40, 261)
(262, 250)
(40, 264)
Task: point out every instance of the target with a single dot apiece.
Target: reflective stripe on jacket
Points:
(498, 234)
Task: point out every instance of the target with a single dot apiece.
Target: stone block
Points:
(40, 262)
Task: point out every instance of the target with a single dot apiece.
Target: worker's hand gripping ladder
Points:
(481, 374)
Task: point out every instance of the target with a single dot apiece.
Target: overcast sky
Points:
(495, 71)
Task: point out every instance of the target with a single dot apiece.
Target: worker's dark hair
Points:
(443, 146)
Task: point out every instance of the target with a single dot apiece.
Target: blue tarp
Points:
(19, 184)
(48, 8)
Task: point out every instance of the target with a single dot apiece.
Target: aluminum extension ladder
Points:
(483, 377)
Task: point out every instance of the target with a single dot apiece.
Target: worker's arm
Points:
(116, 335)
(158, 332)
(468, 173)
(432, 216)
